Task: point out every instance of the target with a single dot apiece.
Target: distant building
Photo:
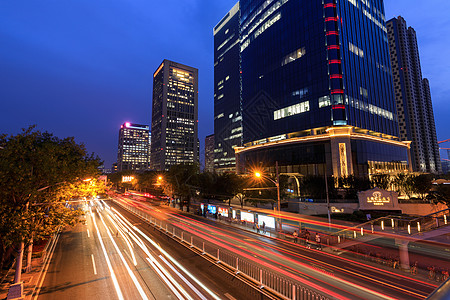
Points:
(227, 99)
(209, 153)
(174, 116)
(133, 152)
(315, 89)
(413, 98)
(114, 168)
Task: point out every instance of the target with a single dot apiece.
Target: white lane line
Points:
(89, 235)
(93, 264)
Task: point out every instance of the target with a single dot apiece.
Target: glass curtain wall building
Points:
(174, 116)
(227, 104)
(133, 152)
(316, 89)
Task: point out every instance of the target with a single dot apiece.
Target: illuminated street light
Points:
(277, 184)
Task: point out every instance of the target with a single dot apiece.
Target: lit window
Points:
(293, 56)
(291, 110)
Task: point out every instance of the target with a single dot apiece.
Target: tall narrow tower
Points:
(413, 97)
(174, 116)
(227, 99)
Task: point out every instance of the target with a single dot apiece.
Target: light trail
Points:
(174, 261)
(108, 262)
(214, 240)
(125, 238)
(183, 278)
(130, 272)
(279, 248)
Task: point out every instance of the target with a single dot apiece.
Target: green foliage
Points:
(382, 181)
(38, 173)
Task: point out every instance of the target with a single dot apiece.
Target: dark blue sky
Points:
(81, 67)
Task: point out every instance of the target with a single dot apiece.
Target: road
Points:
(106, 258)
(326, 272)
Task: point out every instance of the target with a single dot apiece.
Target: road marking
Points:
(93, 264)
(88, 233)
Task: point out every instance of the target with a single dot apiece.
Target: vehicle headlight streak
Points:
(126, 240)
(108, 262)
(130, 272)
(123, 220)
(168, 279)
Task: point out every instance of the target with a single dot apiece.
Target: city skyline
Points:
(79, 76)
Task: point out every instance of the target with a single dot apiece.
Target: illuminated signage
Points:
(378, 199)
(223, 212)
(127, 178)
(336, 210)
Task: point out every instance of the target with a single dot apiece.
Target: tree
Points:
(182, 178)
(422, 185)
(441, 193)
(38, 173)
(382, 181)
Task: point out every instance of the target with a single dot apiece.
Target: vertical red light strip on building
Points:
(333, 50)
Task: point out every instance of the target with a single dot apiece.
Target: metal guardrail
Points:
(278, 284)
(394, 224)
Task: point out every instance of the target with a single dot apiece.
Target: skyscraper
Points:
(174, 116)
(209, 153)
(227, 104)
(133, 152)
(316, 89)
(413, 97)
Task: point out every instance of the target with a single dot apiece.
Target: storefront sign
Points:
(378, 199)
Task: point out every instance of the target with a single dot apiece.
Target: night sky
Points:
(82, 67)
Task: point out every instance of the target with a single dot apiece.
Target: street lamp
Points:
(277, 184)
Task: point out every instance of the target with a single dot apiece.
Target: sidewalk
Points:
(30, 280)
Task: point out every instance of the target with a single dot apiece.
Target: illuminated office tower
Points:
(174, 116)
(227, 104)
(133, 152)
(316, 90)
(412, 93)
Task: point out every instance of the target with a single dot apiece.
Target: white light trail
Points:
(88, 233)
(130, 272)
(213, 295)
(125, 238)
(183, 278)
(113, 276)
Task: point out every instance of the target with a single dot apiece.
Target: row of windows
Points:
(291, 110)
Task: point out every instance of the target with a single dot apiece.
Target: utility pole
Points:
(328, 197)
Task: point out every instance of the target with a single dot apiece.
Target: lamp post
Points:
(277, 184)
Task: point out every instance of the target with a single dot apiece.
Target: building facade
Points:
(209, 153)
(316, 89)
(133, 152)
(227, 102)
(174, 116)
(413, 97)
